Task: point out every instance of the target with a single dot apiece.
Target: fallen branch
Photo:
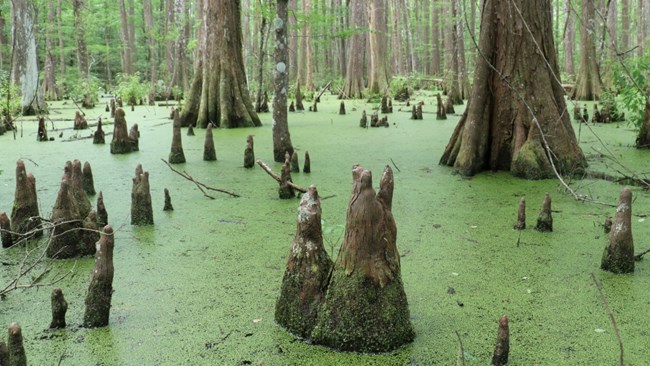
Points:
(638, 257)
(270, 172)
(460, 360)
(395, 165)
(198, 184)
(611, 316)
(317, 99)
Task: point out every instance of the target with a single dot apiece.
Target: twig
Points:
(611, 316)
(270, 172)
(395, 165)
(639, 256)
(198, 184)
(460, 360)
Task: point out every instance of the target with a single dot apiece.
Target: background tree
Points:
(24, 61)
(500, 130)
(281, 136)
(588, 82)
(354, 82)
(379, 76)
(224, 99)
(49, 81)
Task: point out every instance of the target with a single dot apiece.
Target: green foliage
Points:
(130, 88)
(77, 88)
(631, 82)
(9, 96)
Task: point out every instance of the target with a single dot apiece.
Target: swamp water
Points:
(199, 287)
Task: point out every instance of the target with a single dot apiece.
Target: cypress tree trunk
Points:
(224, 99)
(588, 83)
(49, 82)
(379, 78)
(281, 136)
(497, 130)
(354, 83)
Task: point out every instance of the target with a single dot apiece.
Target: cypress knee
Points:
(66, 220)
(286, 191)
(59, 308)
(176, 155)
(249, 153)
(75, 174)
(342, 109)
(449, 106)
(87, 179)
(120, 143)
(113, 108)
(307, 270)
(363, 123)
(521, 215)
(134, 137)
(190, 130)
(80, 122)
(374, 119)
(25, 213)
(100, 290)
(99, 135)
(502, 347)
(42, 130)
(307, 165)
(102, 215)
(5, 231)
(17, 356)
(607, 226)
(295, 165)
(418, 111)
(4, 353)
(365, 307)
(89, 235)
(545, 219)
(168, 201)
(441, 114)
(618, 256)
(141, 208)
(209, 152)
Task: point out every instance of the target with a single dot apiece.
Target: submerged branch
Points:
(611, 316)
(270, 172)
(198, 184)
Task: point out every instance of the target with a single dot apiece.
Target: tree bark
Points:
(60, 35)
(354, 83)
(147, 9)
(499, 129)
(224, 99)
(463, 78)
(80, 33)
(49, 82)
(305, 67)
(451, 51)
(24, 62)
(435, 36)
(127, 61)
(569, 38)
(131, 43)
(641, 29)
(379, 78)
(625, 25)
(281, 136)
(588, 83)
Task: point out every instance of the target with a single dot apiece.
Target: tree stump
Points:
(209, 152)
(113, 109)
(383, 122)
(342, 109)
(545, 219)
(134, 137)
(100, 289)
(59, 308)
(285, 191)
(141, 208)
(5, 231)
(121, 144)
(42, 130)
(502, 347)
(17, 356)
(87, 180)
(306, 168)
(306, 274)
(365, 307)
(168, 201)
(99, 135)
(363, 123)
(107, 109)
(441, 113)
(176, 155)
(249, 153)
(25, 214)
(80, 122)
(102, 214)
(295, 165)
(521, 215)
(618, 256)
(414, 112)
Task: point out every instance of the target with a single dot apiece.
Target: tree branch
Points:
(270, 172)
(198, 184)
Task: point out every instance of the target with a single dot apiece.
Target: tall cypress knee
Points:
(307, 270)
(59, 308)
(100, 290)
(618, 256)
(176, 155)
(5, 231)
(365, 307)
(141, 207)
(209, 152)
(87, 179)
(17, 356)
(25, 213)
(249, 153)
(545, 219)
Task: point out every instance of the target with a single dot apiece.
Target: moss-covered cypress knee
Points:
(59, 308)
(618, 256)
(134, 137)
(365, 307)
(249, 153)
(100, 290)
(17, 356)
(545, 219)
(176, 155)
(502, 347)
(308, 266)
(141, 207)
(209, 152)
(342, 108)
(521, 215)
(25, 213)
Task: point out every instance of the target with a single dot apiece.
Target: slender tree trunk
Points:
(224, 98)
(80, 33)
(3, 37)
(108, 34)
(625, 25)
(408, 38)
(24, 61)
(131, 43)
(261, 57)
(354, 83)
(641, 29)
(452, 81)
(569, 38)
(293, 41)
(127, 62)
(396, 44)
(379, 78)
(499, 129)
(425, 25)
(61, 43)
(463, 78)
(435, 36)
(281, 137)
(147, 9)
(190, 112)
(588, 84)
(304, 76)
(49, 82)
